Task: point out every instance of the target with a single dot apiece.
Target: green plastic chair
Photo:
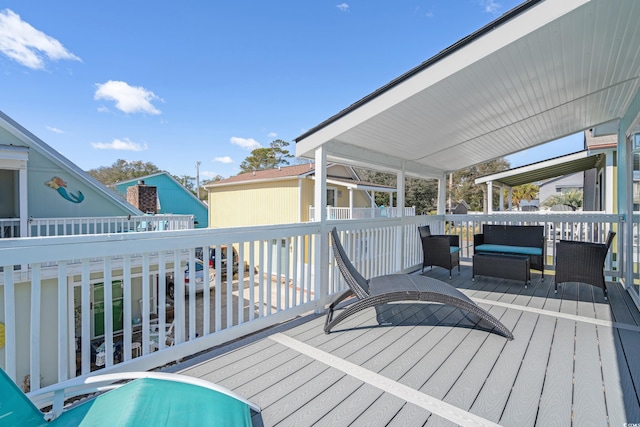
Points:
(151, 399)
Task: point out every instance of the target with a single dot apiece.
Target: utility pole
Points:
(198, 179)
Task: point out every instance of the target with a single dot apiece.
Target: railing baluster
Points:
(65, 322)
(85, 298)
(108, 312)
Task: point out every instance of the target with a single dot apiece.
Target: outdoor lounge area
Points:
(546, 72)
(571, 362)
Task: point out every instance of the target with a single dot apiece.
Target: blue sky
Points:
(174, 83)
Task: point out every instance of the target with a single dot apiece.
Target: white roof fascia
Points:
(532, 167)
(518, 27)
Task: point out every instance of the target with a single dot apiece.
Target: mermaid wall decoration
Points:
(61, 187)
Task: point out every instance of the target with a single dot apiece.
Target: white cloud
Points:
(491, 6)
(343, 7)
(272, 134)
(245, 143)
(129, 99)
(119, 144)
(54, 130)
(226, 160)
(28, 46)
(209, 174)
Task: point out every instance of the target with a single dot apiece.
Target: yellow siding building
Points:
(283, 195)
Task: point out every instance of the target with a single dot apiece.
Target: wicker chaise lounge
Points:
(582, 262)
(398, 287)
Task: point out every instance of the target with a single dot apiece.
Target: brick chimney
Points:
(143, 197)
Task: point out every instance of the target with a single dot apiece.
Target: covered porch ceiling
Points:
(544, 70)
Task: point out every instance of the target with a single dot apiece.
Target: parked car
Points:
(199, 276)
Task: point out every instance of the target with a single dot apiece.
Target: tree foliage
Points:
(524, 192)
(267, 158)
(464, 187)
(572, 198)
(123, 170)
(420, 193)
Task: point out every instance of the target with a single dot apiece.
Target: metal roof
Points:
(559, 166)
(545, 70)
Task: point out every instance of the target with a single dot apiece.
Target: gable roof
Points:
(35, 143)
(296, 171)
(542, 71)
(266, 175)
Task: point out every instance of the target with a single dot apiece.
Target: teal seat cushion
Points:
(15, 408)
(507, 249)
(454, 249)
(152, 402)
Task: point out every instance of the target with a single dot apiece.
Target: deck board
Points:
(588, 398)
(437, 350)
(327, 400)
(519, 410)
(351, 407)
(493, 396)
(622, 306)
(409, 415)
(617, 386)
(556, 399)
(389, 410)
(468, 385)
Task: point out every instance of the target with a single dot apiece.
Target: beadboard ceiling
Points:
(551, 69)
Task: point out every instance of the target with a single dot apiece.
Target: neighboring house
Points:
(38, 182)
(172, 197)
(286, 195)
(561, 185)
(44, 193)
(592, 170)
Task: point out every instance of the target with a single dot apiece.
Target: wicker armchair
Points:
(440, 250)
(582, 262)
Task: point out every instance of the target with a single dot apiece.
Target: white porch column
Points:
(489, 207)
(321, 267)
(501, 207)
(23, 207)
(609, 180)
(625, 204)
(442, 195)
(350, 203)
(400, 192)
(510, 198)
(400, 207)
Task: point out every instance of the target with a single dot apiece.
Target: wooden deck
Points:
(575, 361)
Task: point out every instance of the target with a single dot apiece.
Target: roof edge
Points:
(424, 65)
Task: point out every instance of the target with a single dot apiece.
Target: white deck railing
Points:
(335, 213)
(9, 227)
(48, 302)
(107, 224)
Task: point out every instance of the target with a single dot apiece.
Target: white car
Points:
(200, 270)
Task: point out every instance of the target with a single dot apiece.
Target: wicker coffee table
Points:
(504, 266)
